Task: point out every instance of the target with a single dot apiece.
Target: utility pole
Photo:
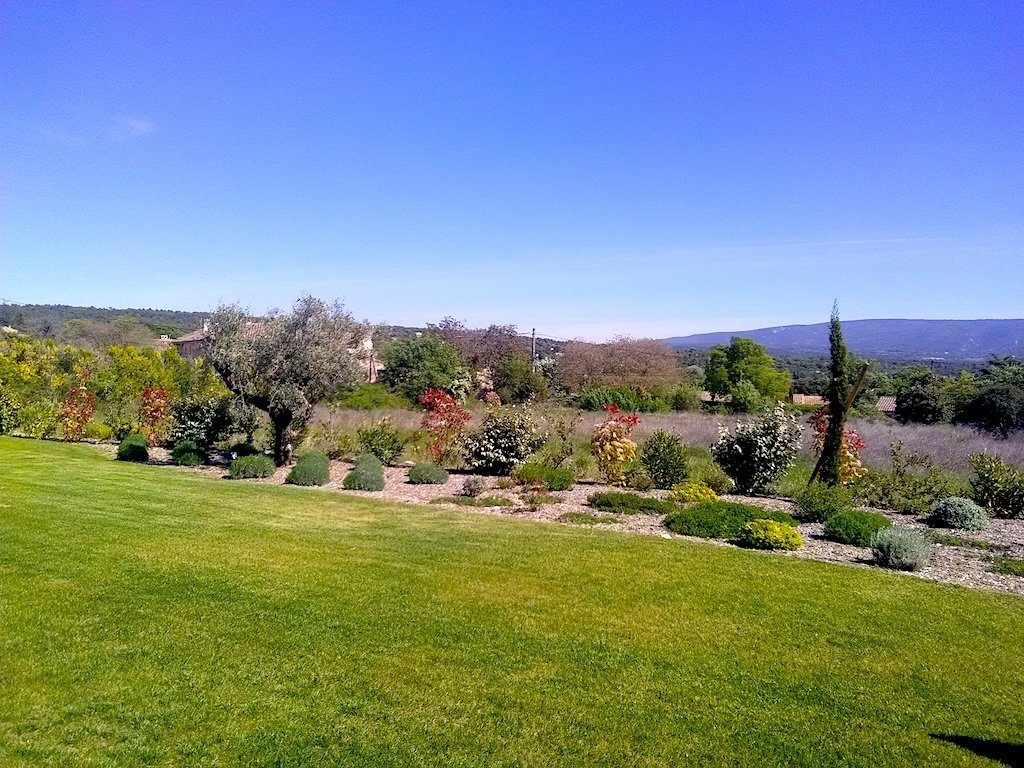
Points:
(533, 349)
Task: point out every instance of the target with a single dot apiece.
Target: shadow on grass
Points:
(1010, 755)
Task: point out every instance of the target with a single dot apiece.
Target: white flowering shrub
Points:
(760, 451)
(506, 438)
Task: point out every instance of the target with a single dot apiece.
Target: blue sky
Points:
(588, 169)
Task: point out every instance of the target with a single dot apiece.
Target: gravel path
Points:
(965, 566)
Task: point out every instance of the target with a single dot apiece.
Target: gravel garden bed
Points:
(967, 566)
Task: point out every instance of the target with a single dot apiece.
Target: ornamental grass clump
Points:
(247, 467)
(313, 468)
(134, 447)
(958, 512)
(902, 548)
(366, 475)
(690, 492)
(720, 519)
(426, 473)
(855, 526)
(760, 451)
(611, 444)
(548, 478)
(770, 534)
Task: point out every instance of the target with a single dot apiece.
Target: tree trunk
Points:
(282, 451)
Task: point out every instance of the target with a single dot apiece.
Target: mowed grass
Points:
(150, 616)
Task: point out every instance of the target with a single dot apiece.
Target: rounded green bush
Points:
(247, 467)
(472, 487)
(134, 447)
(366, 475)
(770, 534)
(855, 526)
(720, 519)
(244, 449)
(187, 453)
(313, 468)
(690, 492)
(819, 502)
(902, 548)
(958, 512)
(427, 474)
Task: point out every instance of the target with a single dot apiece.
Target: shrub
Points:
(244, 449)
(623, 502)
(8, 412)
(770, 534)
(247, 467)
(855, 526)
(690, 492)
(186, 453)
(663, 456)
(427, 474)
(957, 512)
(997, 408)
(550, 478)
(711, 475)
(505, 438)
(154, 414)
(635, 476)
(760, 451)
(913, 486)
(76, 410)
(902, 548)
(685, 398)
(445, 424)
(366, 475)
(370, 397)
(611, 445)
(819, 502)
(599, 398)
(997, 486)
(203, 420)
(312, 468)
(720, 519)
(850, 446)
(337, 443)
(473, 487)
(96, 430)
(38, 418)
(134, 447)
(382, 440)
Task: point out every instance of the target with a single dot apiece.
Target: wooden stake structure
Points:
(849, 403)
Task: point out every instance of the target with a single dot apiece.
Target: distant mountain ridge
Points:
(960, 340)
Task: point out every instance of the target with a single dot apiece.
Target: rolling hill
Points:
(960, 340)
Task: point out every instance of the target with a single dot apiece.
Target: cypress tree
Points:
(838, 391)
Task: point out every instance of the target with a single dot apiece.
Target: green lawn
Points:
(149, 616)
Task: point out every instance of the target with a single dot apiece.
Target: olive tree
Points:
(286, 362)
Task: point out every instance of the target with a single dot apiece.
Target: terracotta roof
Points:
(199, 335)
(886, 404)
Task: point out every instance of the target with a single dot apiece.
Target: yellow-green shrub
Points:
(690, 492)
(769, 534)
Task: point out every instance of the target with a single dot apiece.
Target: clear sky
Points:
(587, 169)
